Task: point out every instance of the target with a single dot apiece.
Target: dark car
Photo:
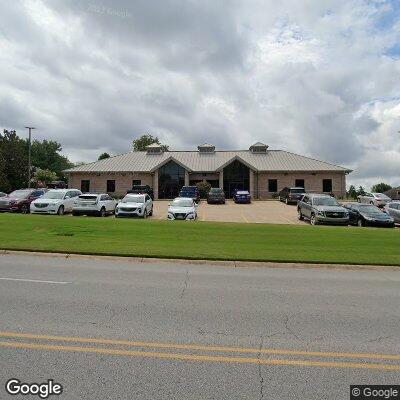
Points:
(190, 192)
(242, 196)
(141, 189)
(368, 215)
(291, 195)
(20, 200)
(216, 195)
(57, 185)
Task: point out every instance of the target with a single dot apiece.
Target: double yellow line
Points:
(201, 348)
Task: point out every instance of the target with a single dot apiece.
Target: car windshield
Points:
(182, 203)
(53, 195)
(297, 190)
(88, 197)
(369, 209)
(215, 191)
(20, 193)
(133, 199)
(188, 189)
(241, 192)
(325, 201)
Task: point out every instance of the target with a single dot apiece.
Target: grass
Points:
(200, 240)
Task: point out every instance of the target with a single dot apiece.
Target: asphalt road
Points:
(169, 331)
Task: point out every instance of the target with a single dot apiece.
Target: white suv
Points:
(94, 204)
(135, 205)
(55, 201)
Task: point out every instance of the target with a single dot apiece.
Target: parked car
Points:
(216, 195)
(393, 209)
(190, 192)
(242, 196)
(2, 194)
(368, 215)
(322, 209)
(57, 185)
(183, 208)
(377, 199)
(291, 195)
(55, 201)
(135, 205)
(19, 200)
(94, 204)
(142, 189)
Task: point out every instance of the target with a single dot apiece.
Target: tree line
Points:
(46, 160)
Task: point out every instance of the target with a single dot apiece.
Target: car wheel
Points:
(300, 216)
(74, 214)
(103, 212)
(24, 209)
(151, 212)
(371, 202)
(145, 214)
(360, 223)
(313, 220)
(60, 210)
(358, 200)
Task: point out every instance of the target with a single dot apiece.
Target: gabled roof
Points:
(272, 160)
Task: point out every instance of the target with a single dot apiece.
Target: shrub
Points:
(203, 187)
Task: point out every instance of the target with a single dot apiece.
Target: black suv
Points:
(139, 189)
(291, 195)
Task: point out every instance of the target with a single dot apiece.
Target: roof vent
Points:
(259, 148)
(154, 148)
(206, 148)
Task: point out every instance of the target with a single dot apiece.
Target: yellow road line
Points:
(208, 348)
(192, 357)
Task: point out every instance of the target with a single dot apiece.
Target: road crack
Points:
(185, 284)
(287, 327)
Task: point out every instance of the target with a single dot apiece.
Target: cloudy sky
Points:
(316, 77)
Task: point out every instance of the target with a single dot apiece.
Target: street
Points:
(109, 328)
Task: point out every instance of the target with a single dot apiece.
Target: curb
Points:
(230, 264)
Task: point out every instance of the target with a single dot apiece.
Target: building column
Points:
(155, 185)
(186, 178)
(221, 179)
(251, 183)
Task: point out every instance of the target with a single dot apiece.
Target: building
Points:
(393, 193)
(262, 171)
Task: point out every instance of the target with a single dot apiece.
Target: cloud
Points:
(317, 78)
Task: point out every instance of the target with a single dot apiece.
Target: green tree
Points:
(361, 191)
(380, 187)
(204, 187)
(44, 176)
(352, 192)
(103, 156)
(141, 143)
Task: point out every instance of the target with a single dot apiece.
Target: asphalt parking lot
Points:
(272, 212)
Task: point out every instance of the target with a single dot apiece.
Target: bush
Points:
(203, 187)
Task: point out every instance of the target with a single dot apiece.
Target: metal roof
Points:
(194, 161)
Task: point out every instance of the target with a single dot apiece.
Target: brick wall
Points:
(313, 183)
(98, 182)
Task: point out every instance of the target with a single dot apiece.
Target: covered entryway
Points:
(236, 177)
(170, 181)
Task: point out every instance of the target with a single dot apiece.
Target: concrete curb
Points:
(231, 264)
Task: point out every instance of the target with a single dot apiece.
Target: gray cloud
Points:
(315, 80)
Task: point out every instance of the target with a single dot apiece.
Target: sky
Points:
(319, 78)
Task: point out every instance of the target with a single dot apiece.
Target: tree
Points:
(44, 176)
(380, 187)
(141, 143)
(352, 192)
(103, 156)
(361, 191)
(204, 187)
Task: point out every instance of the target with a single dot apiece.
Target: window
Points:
(85, 185)
(110, 186)
(327, 185)
(299, 183)
(272, 185)
(136, 182)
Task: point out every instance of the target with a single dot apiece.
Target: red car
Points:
(20, 200)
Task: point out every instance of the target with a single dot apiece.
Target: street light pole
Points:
(30, 128)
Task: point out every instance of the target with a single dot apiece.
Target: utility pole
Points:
(30, 128)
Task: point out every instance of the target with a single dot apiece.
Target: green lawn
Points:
(200, 240)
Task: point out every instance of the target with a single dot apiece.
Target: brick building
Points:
(260, 170)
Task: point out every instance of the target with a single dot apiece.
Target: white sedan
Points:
(55, 201)
(377, 199)
(135, 205)
(182, 208)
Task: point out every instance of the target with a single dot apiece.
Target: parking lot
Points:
(272, 212)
